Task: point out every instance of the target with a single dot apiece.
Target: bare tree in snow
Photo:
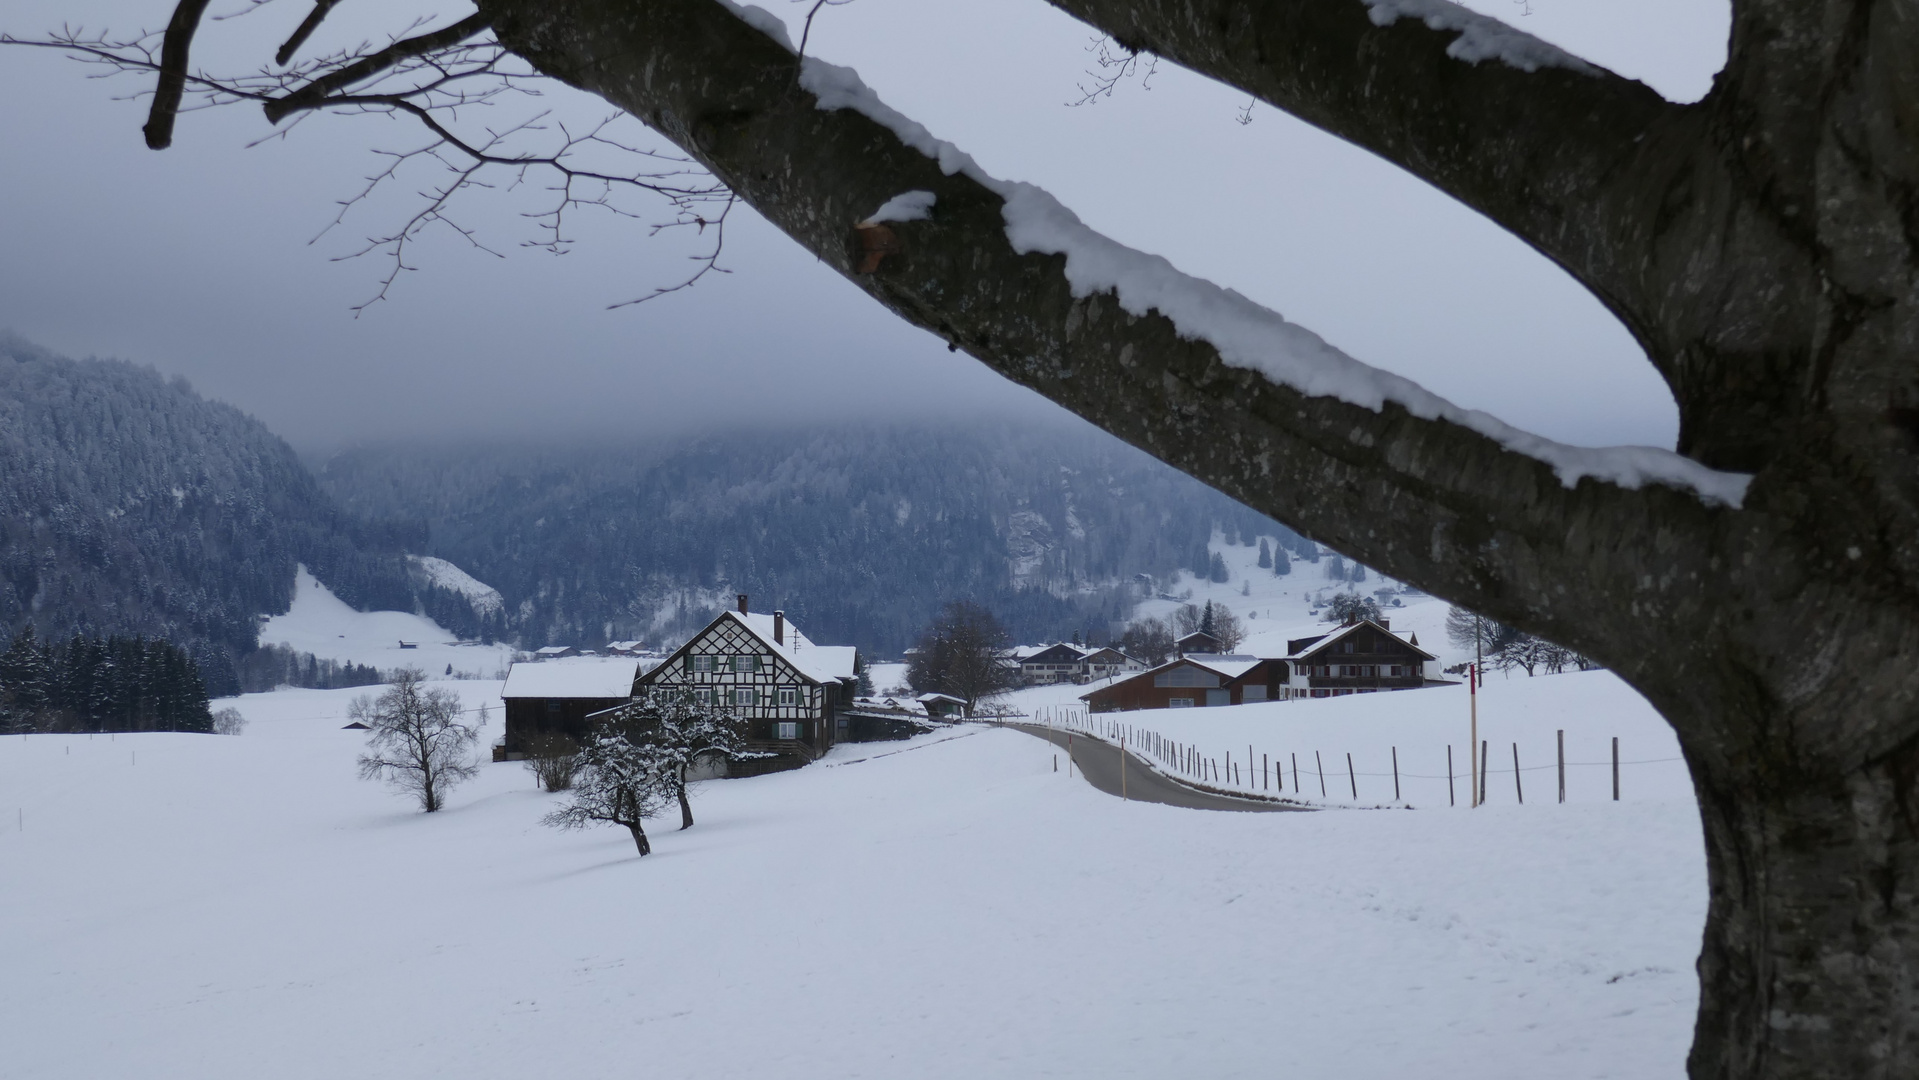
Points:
(418, 741)
(1760, 244)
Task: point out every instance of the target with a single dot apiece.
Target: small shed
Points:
(941, 706)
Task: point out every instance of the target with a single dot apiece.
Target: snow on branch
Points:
(1481, 37)
(1245, 334)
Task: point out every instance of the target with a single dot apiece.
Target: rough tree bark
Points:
(1761, 244)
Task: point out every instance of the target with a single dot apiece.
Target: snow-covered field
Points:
(324, 625)
(212, 907)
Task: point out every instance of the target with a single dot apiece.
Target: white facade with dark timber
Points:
(760, 667)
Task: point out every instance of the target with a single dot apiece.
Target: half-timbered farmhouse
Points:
(789, 690)
(558, 695)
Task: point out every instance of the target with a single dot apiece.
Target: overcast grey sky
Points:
(201, 261)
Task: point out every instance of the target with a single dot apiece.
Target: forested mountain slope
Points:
(859, 531)
(130, 505)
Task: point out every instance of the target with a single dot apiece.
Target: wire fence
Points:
(1375, 775)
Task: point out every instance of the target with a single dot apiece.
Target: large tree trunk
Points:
(1760, 245)
(1812, 938)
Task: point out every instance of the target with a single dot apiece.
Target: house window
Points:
(789, 695)
(745, 695)
(1179, 703)
(704, 695)
(746, 664)
(786, 729)
(702, 663)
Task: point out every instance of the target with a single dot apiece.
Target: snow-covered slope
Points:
(209, 908)
(1273, 608)
(324, 625)
(486, 599)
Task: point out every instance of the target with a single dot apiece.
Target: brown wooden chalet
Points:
(558, 695)
(1199, 641)
(1359, 658)
(1193, 682)
(789, 690)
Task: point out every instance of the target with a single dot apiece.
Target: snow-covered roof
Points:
(821, 663)
(572, 677)
(553, 650)
(1319, 644)
(924, 698)
(1228, 666)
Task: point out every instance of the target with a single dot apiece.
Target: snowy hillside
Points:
(214, 907)
(322, 624)
(1273, 608)
(486, 599)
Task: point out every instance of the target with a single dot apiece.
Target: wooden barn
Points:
(1193, 682)
(789, 690)
(558, 695)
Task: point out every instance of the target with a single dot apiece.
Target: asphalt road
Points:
(1099, 762)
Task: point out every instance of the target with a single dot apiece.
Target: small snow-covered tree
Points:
(1350, 607)
(228, 721)
(1216, 569)
(680, 731)
(1265, 555)
(418, 741)
(1282, 565)
(621, 782)
(1149, 640)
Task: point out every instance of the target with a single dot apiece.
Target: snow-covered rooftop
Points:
(821, 663)
(572, 677)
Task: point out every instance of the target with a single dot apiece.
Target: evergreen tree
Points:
(1282, 565)
(1265, 555)
(1216, 572)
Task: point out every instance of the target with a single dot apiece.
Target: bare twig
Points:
(315, 93)
(1116, 62)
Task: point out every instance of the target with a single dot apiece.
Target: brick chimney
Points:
(742, 603)
(779, 628)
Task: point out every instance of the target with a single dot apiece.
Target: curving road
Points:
(1099, 762)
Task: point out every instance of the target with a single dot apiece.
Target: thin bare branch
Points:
(173, 73)
(305, 30)
(316, 93)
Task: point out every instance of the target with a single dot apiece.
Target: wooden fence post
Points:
(1482, 773)
(1562, 764)
(1321, 766)
(1615, 768)
(1520, 791)
(1265, 777)
(1295, 758)
(1352, 780)
(1396, 797)
(1451, 799)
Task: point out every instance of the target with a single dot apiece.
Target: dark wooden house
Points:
(558, 695)
(789, 690)
(1198, 641)
(1359, 658)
